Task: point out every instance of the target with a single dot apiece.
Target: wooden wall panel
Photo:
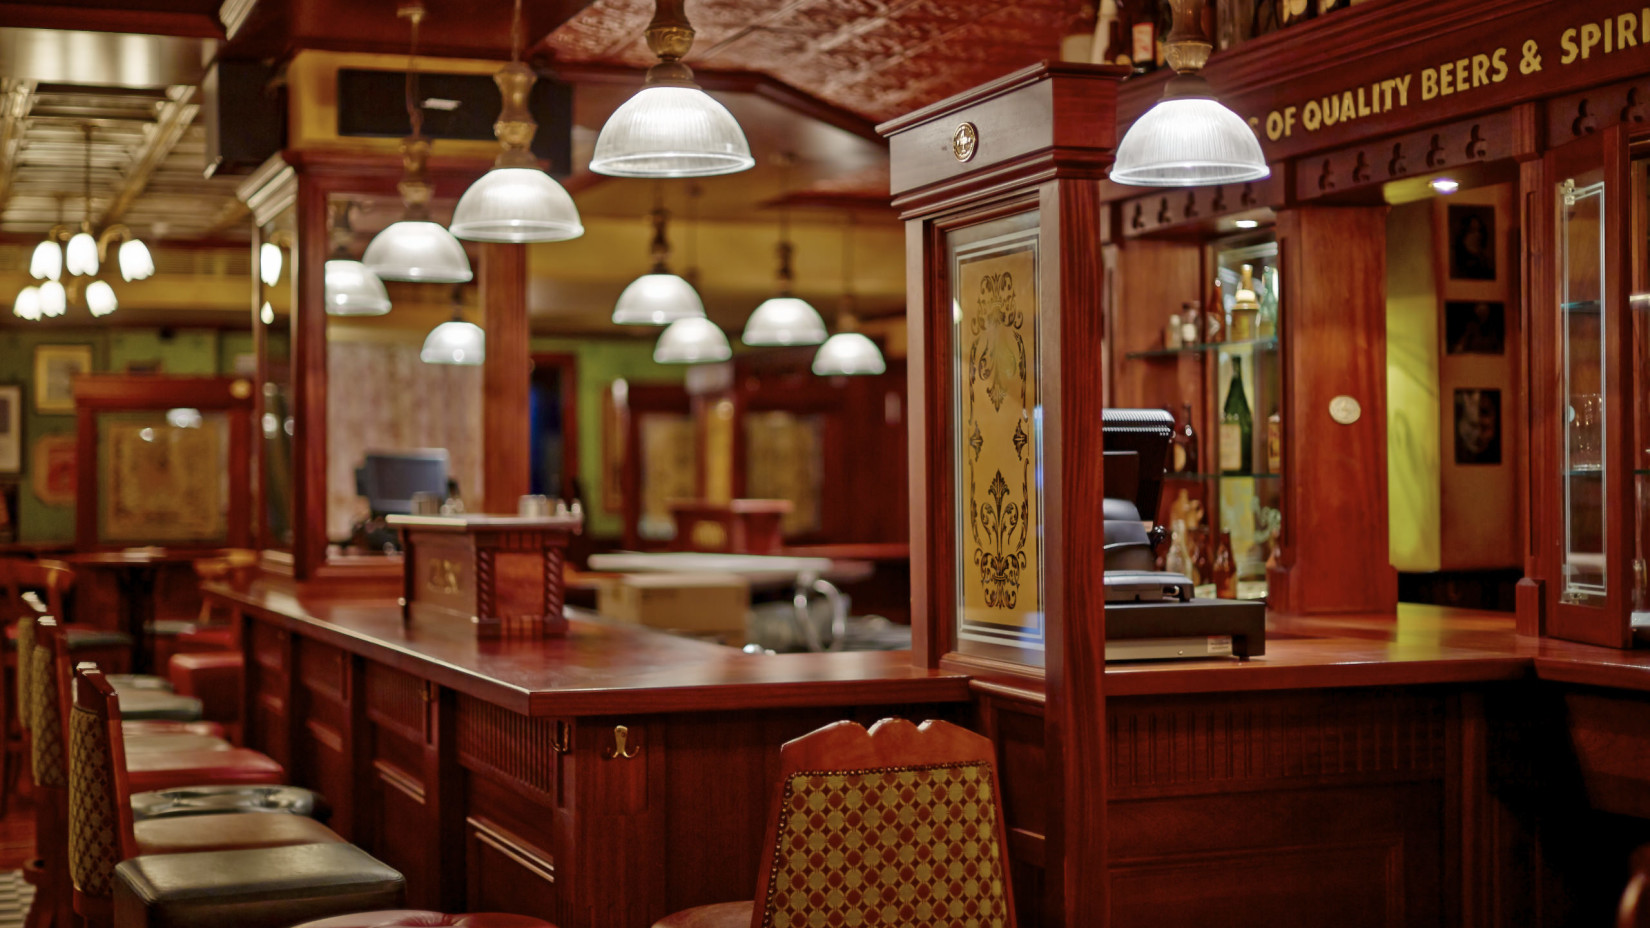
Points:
(507, 873)
(510, 746)
(1153, 280)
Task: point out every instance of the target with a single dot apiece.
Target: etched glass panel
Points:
(1581, 303)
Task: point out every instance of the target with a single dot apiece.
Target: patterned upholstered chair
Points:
(897, 827)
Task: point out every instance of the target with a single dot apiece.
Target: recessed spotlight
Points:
(1247, 223)
(1445, 185)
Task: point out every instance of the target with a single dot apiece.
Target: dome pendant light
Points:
(455, 341)
(694, 340)
(515, 201)
(416, 248)
(1189, 139)
(80, 257)
(671, 127)
(658, 297)
(848, 352)
(784, 320)
(351, 288)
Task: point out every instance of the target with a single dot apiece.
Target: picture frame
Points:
(1477, 426)
(55, 463)
(55, 368)
(1475, 327)
(11, 428)
(1472, 238)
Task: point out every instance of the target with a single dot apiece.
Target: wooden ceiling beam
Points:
(16, 98)
(171, 121)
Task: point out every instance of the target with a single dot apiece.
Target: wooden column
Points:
(505, 427)
(1335, 555)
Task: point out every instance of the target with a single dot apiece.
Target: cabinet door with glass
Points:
(1593, 590)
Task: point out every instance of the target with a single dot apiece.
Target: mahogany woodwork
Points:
(1196, 209)
(640, 400)
(506, 379)
(1334, 554)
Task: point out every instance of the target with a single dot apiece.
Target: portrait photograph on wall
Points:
(1475, 327)
(1478, 426)
(11, 428)
(1472, 242)
(55, 368)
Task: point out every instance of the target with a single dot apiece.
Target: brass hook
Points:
(619, 750)
(561, 741)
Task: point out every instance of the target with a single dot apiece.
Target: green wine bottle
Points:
(1237, 429)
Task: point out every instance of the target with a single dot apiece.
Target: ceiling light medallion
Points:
(1189, 139)
(671, 127)
(515, 201)
(416, 248)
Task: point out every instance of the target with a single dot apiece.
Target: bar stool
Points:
(259, 888)
(417, 918)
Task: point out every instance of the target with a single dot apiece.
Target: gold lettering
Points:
(1567, 41)
(1429, 83)
(1589, 38)
(1349, 108)
(1461, 67)
(1500, 63)
(1608, 44)
(1403, 88)
(1331, 110)
(1274, 125)
(1446, 79)
(1626, 30)
(1480, 70)
(1363, 108)
(1312, 116)
(1644, 31)
(1386, 93)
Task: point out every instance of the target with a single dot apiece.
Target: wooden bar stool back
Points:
(54, 895)
(901, 826)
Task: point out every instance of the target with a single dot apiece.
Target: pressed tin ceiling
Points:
(876, 58)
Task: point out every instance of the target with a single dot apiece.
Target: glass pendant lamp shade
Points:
(516, 205)
(81, 257)
(1188, 142)
(658, 299)
(54, 301)
(848, 353)
(692, 341)
(455, 342)
(671, 131)
(137, 264)
(353, 290)
(100, 298)
(784, 320)
(27, 305)
(269, 263)
(418, 250)
(47, 261)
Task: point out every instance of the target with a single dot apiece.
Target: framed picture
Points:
(55, 368)
(1478, 426)
(1472, 242)
(1475, 327)
(11, 428)
(615, 429)
(8, 512)
(54, 460)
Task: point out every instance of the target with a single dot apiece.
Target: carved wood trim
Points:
(1572, 116)
(1161, 211)
(1428, 151)
(323, 669)
(326, 736)
(396, 700)
(392, 775)
(520, 750)
(485, 832)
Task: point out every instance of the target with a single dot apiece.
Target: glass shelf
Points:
(1582, 306)
(1201, 478)
(1269, 343)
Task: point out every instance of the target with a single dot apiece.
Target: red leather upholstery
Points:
(227, 832)
(172, 769)
(213, 677)
(163, 726)
(414, 918)
(720, 915)
(180, 741)
(207, 639)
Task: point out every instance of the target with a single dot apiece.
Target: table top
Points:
(137, 557)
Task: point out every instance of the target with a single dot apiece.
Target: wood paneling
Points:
(506, 420)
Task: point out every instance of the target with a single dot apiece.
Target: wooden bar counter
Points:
(1418, 762)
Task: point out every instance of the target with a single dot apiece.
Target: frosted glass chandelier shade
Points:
(81, 257)
(100, 298)
(455, 342)
(692, 341)
(135, 261)
(54, 300)
(658, 299)
(784, 320)
(27, 305)
(47, 261)
(848, 353)
(516, 205)
(671, 131)
(1189, 141)
(269, 263)
(418, 250)
(353, 290)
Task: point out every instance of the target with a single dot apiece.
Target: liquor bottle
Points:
(1185, 445)
(1225, 571)
(1294, 12)
(1078, 43)
(1116, 49)
(1143, 38)
(1237, 428)
(1274, 443)
(1215, 321)
(1191, 322)
(1177, 560)
(1245, 308)
(1172, 333)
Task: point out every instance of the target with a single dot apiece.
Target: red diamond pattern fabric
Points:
(911, 847)
(47, 723)
(94, 825)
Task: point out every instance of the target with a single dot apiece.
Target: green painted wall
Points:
(185, 352)
(600, 362)
(1412, 410)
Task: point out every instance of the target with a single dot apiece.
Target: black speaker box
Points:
(245, 114)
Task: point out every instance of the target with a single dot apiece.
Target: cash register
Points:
(1153, 614)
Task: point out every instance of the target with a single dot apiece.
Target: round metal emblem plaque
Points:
(1345, 410)
(964, 141)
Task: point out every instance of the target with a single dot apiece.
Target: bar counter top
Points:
(606, 667)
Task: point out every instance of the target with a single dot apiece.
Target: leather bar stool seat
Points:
(128, 682)
(259, 888)
(168, 727)
(416, 918)
(719, 915)
(226, 832)
(159, 704)
(154, 770)
(193, 801)
(144, 744)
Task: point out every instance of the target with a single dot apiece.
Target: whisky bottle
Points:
(1185, 445)
(1237, 429)
(1274, 443)
(1245, 308)
(1143, 38)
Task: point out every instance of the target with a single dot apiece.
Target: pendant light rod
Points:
(660, 247)
(670, 38)
(846, 321)
(86, 181)
(515, 126)
(414, 186)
